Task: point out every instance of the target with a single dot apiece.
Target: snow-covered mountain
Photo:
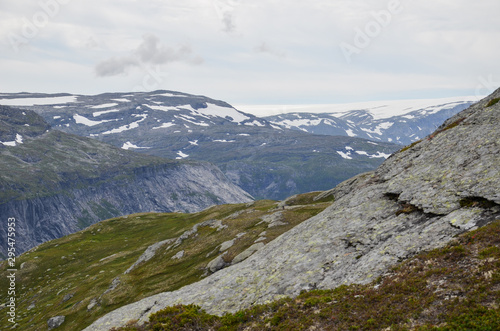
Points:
(401, 122)
(266, 160)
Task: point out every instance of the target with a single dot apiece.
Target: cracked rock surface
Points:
(419, 199)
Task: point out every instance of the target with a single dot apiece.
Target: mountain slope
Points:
(402, 128)
(456, 287)
(419, 199)
(86, 274)
(56, 183)
(265, 160)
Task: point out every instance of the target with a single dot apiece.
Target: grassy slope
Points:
(453, 288)
(62, 276)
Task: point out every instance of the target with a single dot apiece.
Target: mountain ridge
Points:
(404, 128)
(265, 160)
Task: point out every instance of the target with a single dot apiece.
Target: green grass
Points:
(453, 288)
(410, 146)
(492, 102)
(85, 263)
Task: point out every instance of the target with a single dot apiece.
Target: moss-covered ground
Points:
(63, 276)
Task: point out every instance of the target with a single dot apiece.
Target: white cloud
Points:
(254, 52)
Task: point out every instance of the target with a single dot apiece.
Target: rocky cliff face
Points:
(419, 199)
(55, 183)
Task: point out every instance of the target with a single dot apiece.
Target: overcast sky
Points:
(253, 51)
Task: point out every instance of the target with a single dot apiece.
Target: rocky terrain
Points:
(267, 161)
(56, 183)
(419, 199)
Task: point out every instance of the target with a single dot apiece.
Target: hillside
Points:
(267, 161)
(456, 287)
(85, 275)
(418, 200)
(56, 183)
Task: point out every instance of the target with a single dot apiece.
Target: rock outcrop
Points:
(419, 199)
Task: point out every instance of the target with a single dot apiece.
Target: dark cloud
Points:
(115, 66)
(149, 52)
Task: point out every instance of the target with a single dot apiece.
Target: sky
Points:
(253, 51)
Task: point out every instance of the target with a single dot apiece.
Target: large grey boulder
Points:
(419, 199)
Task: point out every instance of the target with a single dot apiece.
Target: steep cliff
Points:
(54, 183)
(419, 199)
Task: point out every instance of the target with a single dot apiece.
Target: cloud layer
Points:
(253, 51)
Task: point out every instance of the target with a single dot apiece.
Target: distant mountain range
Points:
(402, 122)
(57, 183)
(265, 159)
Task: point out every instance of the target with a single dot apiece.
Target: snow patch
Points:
(105, 105)
(37, 101)
(129, 145)
(85, 121)
(127, 127)
(169, 95)
(162, 108)
(350, 133)
(186, 118)
(378, 155)
(163, 126)
(19, 140)
(346, 156)
(99, 113)
(181, 155)
(223, 112)
(255, 123)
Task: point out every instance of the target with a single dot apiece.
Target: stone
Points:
(55, 322)
(217, 264)
(92, 304)
(226, 245)
(67, 297)
(148, 254)
(178, 256)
